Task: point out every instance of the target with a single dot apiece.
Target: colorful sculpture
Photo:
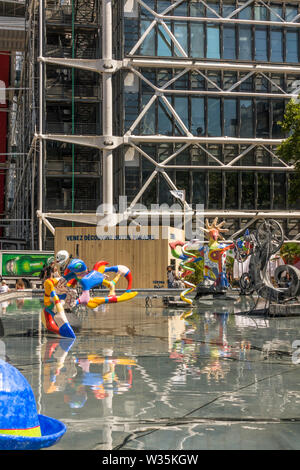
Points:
(53, 315)
(214, 255)
(60, 291)
(21, 427)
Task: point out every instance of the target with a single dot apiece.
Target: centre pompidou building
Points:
(142, 97)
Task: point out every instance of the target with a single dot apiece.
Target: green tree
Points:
(289, 149)
(197, 276)
(290, 252)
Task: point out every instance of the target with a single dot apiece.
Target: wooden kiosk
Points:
(144, 250)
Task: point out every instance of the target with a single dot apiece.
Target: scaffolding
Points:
(82, 58)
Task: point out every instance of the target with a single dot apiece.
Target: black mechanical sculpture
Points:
(263, 243)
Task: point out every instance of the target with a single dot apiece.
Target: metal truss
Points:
(230, 18)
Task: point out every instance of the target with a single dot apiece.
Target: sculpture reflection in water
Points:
(79, 377)
(60, 293)
(201, 351)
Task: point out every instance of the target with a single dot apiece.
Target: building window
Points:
(262, 118)
(197, 40)
(246, 113)
(276, 38)
(248, 190)
(280, 185)
(292, 46)
(213, 42)
(215, 190)
(263, 191)
(230, 117)
(231, 201)
(197, 116)
(229, 47)
(261, 53)
(213, 117)
(245, 43)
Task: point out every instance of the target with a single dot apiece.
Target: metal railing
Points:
(63, 14)
(13, 9)
(64, 91)
(60, 204)
(56, 167)
(66, 128)
(57, 51)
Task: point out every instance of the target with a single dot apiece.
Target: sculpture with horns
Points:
(214, 254)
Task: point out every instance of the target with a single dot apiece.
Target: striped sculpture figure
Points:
(53, 315)
(214, 255)
(60, 291)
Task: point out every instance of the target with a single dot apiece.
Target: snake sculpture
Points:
(214, 255)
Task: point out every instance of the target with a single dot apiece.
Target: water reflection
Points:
(207, 337)
(157, 378)
(63, 372)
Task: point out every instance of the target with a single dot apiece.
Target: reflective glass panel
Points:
(279, 191)
(165, 119)
(278, 114)
(199, 187)
(197, 40)
(231, 190)
(181, 107)
(197, 116)
(248, 191)
(262, 118)
(292, 46)
(181, 34)
(148, 45)
(261, 44)
(229, 47)
(246, 113)
(213, 117)
(230, 118)
(164, 44)
(215, 190)
(213, 42)
(263, 191)
(276, 39)
(245, 49)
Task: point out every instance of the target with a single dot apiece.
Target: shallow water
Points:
(161, 379)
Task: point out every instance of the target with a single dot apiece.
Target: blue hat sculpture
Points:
(21, 427)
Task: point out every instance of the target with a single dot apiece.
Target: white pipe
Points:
(41, 113)
(196, 65)
(107, 117)
(203, 140)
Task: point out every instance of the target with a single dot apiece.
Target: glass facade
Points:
(72, 103)
(236, 41)
(218, 95)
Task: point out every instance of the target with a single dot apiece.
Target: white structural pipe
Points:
(41, 113)
(107, 113)
(194, 64)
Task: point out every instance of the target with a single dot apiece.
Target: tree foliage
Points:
(197, 276)
(290, 252)
(289, 149)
